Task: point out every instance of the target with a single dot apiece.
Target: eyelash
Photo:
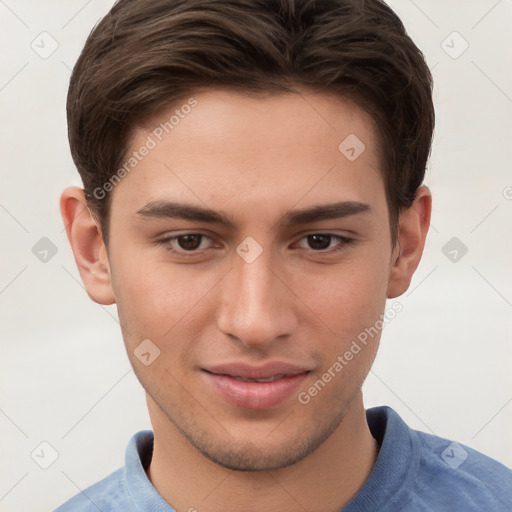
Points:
(345, 242)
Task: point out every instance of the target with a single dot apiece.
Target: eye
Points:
(322, 242)
(187, 242)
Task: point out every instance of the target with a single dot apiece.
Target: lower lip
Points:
(257, 396)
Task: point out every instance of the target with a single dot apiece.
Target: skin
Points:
(254, 160)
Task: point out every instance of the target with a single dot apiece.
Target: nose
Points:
(258, 306)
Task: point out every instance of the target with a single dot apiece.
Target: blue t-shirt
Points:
(414, 472)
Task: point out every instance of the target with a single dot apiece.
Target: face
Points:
(252, 252)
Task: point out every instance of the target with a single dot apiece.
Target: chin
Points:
(265, 452)
(250, 457)
(253, 446)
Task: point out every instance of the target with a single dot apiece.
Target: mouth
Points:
(269, 379)
(256, 388)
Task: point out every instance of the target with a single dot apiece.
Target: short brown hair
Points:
(145, 54)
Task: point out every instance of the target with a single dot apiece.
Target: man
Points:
(252, 197)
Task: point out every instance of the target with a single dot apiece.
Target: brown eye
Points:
(325, 242)
(189, 242)
(319, 242)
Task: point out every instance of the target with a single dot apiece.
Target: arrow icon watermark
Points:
(249, 249)
(146, 352)
(352, 147)
(454, 249)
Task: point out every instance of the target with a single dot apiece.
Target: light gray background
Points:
(444, 362)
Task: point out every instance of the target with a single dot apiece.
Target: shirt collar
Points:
(138, 486)
(396, 465)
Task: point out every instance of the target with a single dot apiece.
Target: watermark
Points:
(44, 250)
(44, 455)
(146, 352)
(151, 142)
(454, 455)
(454, 249)
(454, 45)
(351, 147)
(45, 45)
(304, 397)
(249, 249)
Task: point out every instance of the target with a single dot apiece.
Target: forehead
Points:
(221, 147)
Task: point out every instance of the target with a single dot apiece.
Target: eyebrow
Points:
(177, 210)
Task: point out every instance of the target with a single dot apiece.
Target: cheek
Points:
(153, 300)
(161, 306)
(351, 302)
(352, 306)
(350, 298)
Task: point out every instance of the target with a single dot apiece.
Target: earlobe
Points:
(86, 242)
(412, 232)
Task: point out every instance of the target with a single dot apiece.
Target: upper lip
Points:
(265, 371)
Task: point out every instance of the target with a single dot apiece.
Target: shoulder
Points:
(451, 473)
(420, 472)
(108, 494)
(124, 490)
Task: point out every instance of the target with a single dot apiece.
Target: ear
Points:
(87, 244)
(412, 232)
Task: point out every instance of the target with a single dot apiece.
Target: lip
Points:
(226, 381)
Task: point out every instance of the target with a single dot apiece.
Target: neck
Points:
(325, 480)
